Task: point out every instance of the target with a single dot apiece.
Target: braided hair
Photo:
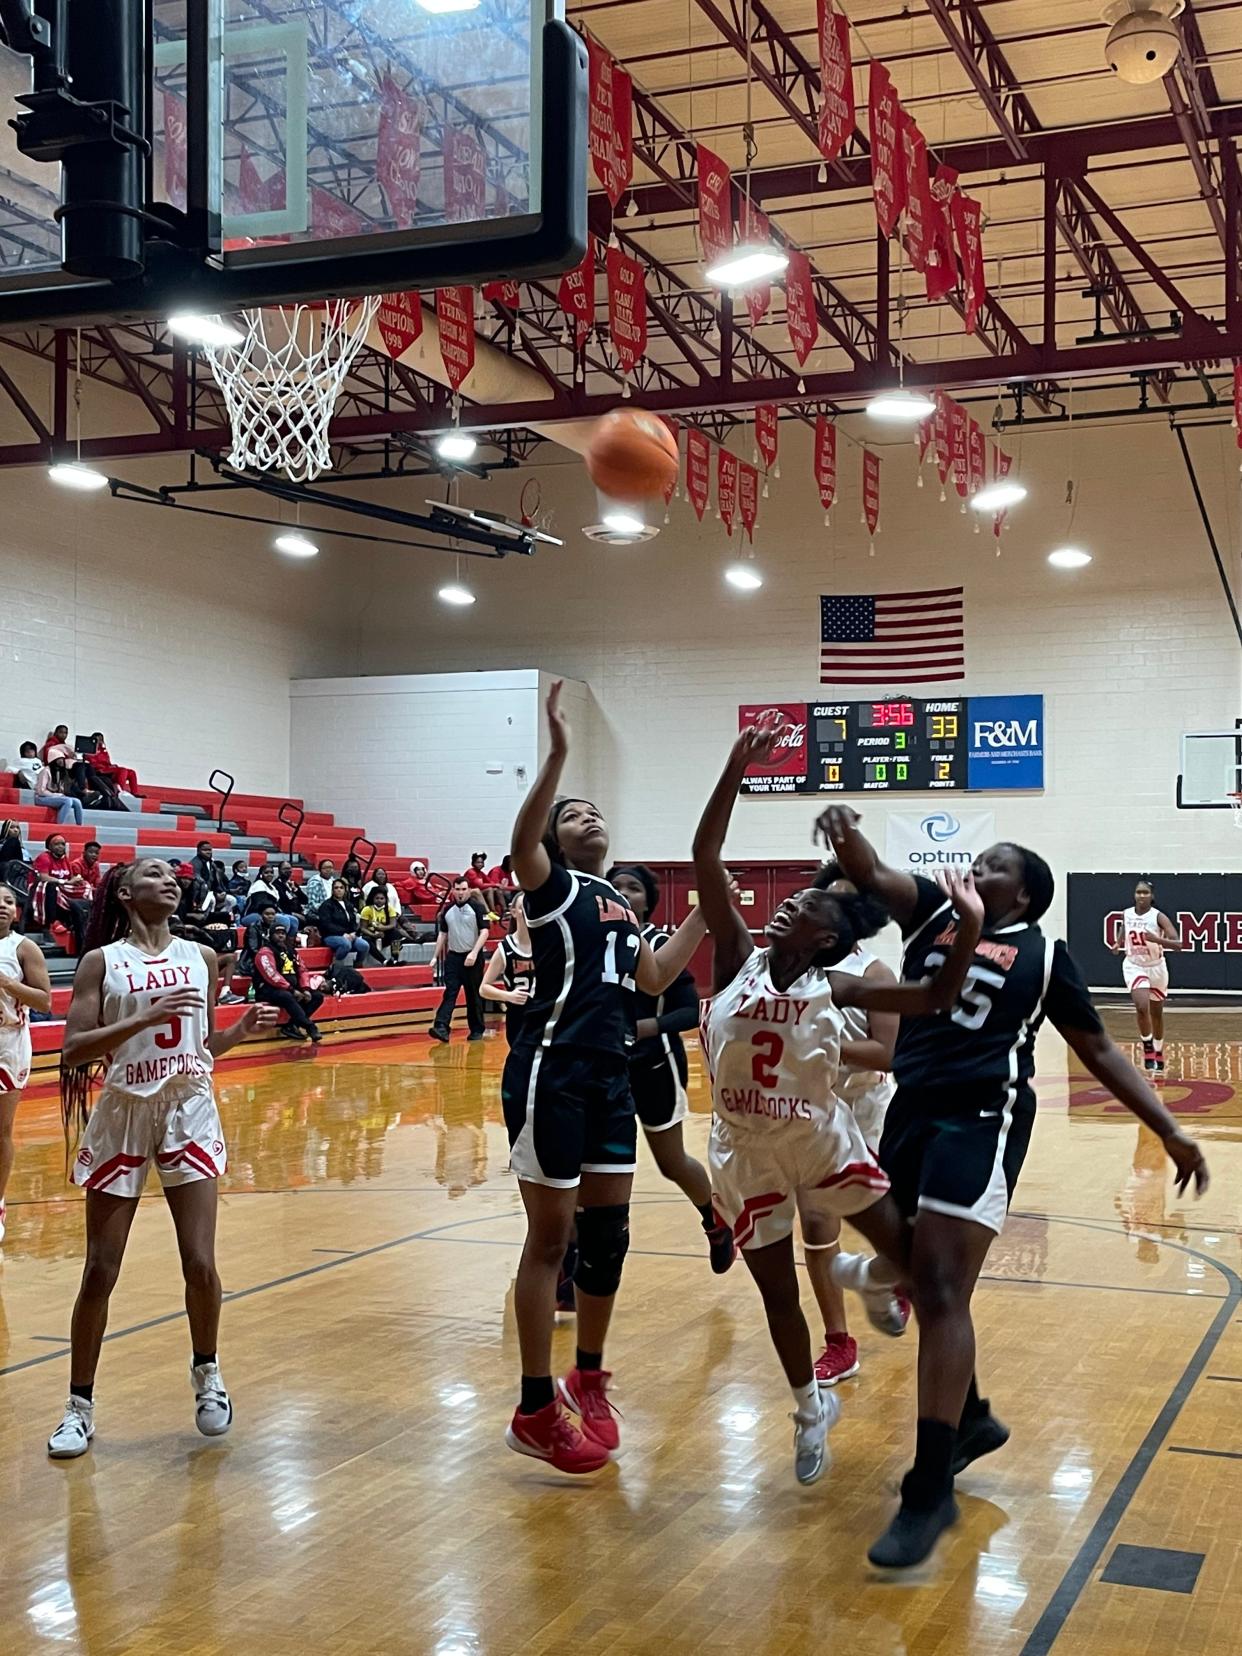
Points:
(109, 922)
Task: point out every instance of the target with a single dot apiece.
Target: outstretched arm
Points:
(531, 862)
(838, 829)
(933, 994)
(658, 968)
(1113, 1070)
(732, 939)
(876, 1052)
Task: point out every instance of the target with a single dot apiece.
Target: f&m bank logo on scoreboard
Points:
(1006, 737)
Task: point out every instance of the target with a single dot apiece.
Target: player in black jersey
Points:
(567, 1103)
(957, 1132)
(510, 974)
(658, 1070)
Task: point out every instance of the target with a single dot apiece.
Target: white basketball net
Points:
(282, 381)
(1235, 805)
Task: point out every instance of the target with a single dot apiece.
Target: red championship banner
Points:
(942, 439)
(674, 426)
(398, 152)
(756, 230)
(800, 314)
(1001, 466)
(501, 292)
(942, 260)
(767, 432)
(176, 117)
(698, 470)
(715, 205)
(623, 121)
(923, 437)
(611, 121)
(258, 195)
(826, 461)
(627, 308)
(871, 490)
(726, 486)
(748, 497)
(465, 176)
(959, 446)
(976, 458)
(400, 322)
(966, 226)
(331, 217)
(919, 225)
(836, 110)
(884, 122)
(455, 316)
(576, 294)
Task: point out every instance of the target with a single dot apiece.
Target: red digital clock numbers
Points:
(892, 713)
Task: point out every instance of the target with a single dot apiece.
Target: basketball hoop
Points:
(1235, 805)
(281, 382)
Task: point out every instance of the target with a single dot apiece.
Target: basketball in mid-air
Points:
(632, 457)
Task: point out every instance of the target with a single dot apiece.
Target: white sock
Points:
(861, 1273)
(806, 1400)
(1158, 1042)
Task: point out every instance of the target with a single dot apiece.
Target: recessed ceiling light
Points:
(296, 545)
(900, 404)
(212, 331)
(745, 577)
(746, 264)
(72, 474)
(622, 522)
(456, 445)
(1069, 557)
(995, 497)
(455, 593)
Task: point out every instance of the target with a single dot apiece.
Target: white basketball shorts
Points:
(14, 1057)
(180, 1133)
(1152, 975)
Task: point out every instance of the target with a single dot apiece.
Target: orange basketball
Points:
(632, 457)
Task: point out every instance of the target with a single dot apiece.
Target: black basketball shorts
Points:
(957, 1154)
(568, 1111)
(658, 1083)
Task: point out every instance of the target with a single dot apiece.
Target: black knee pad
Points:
(603, 1242)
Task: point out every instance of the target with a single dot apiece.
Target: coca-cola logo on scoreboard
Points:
(790, 757)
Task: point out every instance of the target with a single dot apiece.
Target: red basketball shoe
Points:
(549, 1435)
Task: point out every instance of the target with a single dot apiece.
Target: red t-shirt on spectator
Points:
(92, 873)
(476, 879)
(497, 877)
(414, 891)
(53, 868)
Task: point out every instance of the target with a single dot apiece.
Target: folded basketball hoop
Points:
(281, 382)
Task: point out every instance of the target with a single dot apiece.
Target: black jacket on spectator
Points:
(336, 919)
(292, 897)
(211, 873)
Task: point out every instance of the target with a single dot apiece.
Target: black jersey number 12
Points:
(610, 973)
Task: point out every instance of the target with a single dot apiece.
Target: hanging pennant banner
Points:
(400, 322)
(674, 426)
(726, 486)
(501, 292)
(800, 315)
(465, 176)
(627, 308)
(942, 442)
(748, 498)
(576, 294)
(884, 122)
(255, 194)
(918, 193)
(826, 461)
(756, 230)
(975, 458)
(767, 432)
(398, 152)
(611, 121)
(698, 470)
(836, 110)
(871, 490)
(1001, 464)
(623, 118)
(715, 205)
(942, 260)
(923, 437)
(959, 445)
(455, 316)
(176, 120)
(967, 214)
(331, 217)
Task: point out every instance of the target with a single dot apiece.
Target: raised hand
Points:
(558, 724)
(757, 743)
(960, 890)
(832, 825)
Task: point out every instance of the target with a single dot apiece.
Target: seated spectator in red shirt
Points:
(86, 867)
(474, 876)
(415, 889)
(62, 894)
(101, 762)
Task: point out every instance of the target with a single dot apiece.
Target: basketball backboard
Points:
(300, 148)
(1211, 770)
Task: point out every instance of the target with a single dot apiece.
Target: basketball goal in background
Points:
(1210, 773)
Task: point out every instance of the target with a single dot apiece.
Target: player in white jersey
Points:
(144, 1006)
(1146, 935)
(23, 986)
(866, 1086)
(781, 1137)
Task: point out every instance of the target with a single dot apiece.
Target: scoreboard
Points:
(892, 746)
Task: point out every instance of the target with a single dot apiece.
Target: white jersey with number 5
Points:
(1142, 937)
(164, 1056)
(773, 1055)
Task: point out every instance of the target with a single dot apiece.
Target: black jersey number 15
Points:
(973, 1004)
(610, 973)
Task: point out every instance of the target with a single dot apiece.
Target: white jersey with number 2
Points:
(163, 1056)
(1142, 939)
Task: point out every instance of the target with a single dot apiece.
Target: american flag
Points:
(895, 638)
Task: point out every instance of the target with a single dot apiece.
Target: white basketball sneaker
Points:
(213, 1409)
(887, 1308)
(811, 1455)
(73, 1436)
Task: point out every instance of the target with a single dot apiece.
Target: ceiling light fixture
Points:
(455, 593)
(212, 332)
(622, 522)
(745, 577)
(746, 264)
(900, 406)
(72, 474)
(997, 496)
(296, 545)
(1069, 557)
(456, 445)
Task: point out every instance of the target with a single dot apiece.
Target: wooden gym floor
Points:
(365, 1501)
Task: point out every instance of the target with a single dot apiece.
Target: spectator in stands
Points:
(205, 868)
(289, 893)
(351, 873)
(85, 780)
(101, 763)
(462, 937)
(62, 895)
(50, 790)
(337, 919)
(415, 890)
(239, 885)
(475, 877)
(319, 886)
(280, 978)
(258, 931)
(12, 848)
(201, 918)
(86, 867)
(380, 916)
(501, 886)
(264, 887)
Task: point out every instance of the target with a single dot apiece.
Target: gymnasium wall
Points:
(1128, 653)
